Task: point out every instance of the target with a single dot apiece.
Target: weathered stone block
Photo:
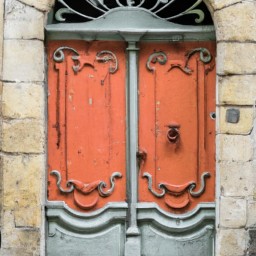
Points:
(23, 22)
(1, 33)
(22, 177)
(237, 179)
(22, 242)
(243, 126)
(251, 219)
(235, 148)
(251, 242)
(236, 22)
(22, 100)
(236, 58)
(237, 90)
(231, 242)
(44, 5)
(23, 60)
(219, 4)
(25, 136)
(232, 212)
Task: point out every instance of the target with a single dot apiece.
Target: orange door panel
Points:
(86, 123)
(176, 129)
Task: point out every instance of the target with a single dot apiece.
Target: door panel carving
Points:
(86, 123)
(176, 97)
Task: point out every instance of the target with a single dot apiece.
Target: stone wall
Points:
(22, 86)
(23, 127)
(235, 23)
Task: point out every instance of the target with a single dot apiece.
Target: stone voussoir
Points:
(43, 5)
(236, 22)
(220, 4)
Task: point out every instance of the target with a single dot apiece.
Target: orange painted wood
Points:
(180, 98)
(86, 123)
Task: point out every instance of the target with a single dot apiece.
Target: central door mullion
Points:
(133, 233)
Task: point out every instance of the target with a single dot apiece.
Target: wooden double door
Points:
(88, 146)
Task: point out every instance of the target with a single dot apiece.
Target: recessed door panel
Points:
(87, 123)
(176, 131)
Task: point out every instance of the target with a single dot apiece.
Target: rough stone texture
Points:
(233, 213)
(237, 179)
(23, 22)
(44, 5)
(219, 4)
(236, 58)
(235, 148)
(237, 90)
(22, 100)
(1, 33)
(242, 127)
(22, 176)
(231, 242)
(251, 238)
(237, 22)
(23, 60)
(26, 136)
(251, 218)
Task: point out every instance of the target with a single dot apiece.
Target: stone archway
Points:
(23, 126)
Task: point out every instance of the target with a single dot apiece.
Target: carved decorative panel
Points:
(86, 123)
(176, 129)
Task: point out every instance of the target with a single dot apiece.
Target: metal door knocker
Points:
(173, 134)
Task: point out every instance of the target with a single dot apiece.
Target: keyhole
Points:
(213, 115)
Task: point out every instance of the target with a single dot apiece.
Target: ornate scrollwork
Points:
(157, 56)
(81, 61)
(59, 56)
(56, 173)
(161, 57)
(104, 185)
(156, 9)
(177, 190)
(201, 190)
(86, 189)
(205, 55)
(106, 58)
(146, 174)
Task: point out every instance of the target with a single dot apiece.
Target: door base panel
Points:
(103, 232)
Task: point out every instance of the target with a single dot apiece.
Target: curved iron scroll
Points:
(59, 57)
(156, 57)
(155, 10)
(87, 188)
(60, 52)
(106, 59)
(146, 174)
(161, 57)
(177, 190)
(205, 55)
(201, 190)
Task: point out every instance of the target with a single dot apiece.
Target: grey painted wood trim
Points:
(138, 21)
(58, 212)
(151, 212)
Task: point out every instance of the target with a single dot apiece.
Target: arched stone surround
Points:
(23, 99)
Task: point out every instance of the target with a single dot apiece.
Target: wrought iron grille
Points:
(189, 12)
